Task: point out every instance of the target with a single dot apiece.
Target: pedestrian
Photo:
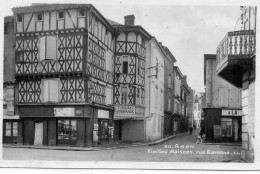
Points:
(190, 129)
(201, 136)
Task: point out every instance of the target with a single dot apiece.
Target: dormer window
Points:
(19, 18)
(39, 16)
(81, 13)
(61, 15)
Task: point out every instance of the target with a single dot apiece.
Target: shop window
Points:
(19, 18)
(67, 130)
(50, 90)
(125, 65)
(48, 48)
(61, 15)
(226, 127)
(39, 16)
(124, 95)
(11, 129)
(81, 13)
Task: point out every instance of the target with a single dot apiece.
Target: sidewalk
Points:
(105, 147)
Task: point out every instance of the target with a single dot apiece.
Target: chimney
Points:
(130, 20)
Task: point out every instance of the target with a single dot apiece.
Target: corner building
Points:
(64, 71)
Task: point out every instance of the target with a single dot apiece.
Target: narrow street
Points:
(179, 149)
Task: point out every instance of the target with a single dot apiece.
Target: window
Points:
(137, 96)
(11, 129)
(48, 48)
(109, 96)
(124, 95)
(138, 67)
(169, 81)
(61, 15)
(226, 127)
(19, 18)
(67, 130)
(95, 30)
(125, 65)
(50, 90)
(39, 16)
(19, 57)
(81, 13)
(169, 103)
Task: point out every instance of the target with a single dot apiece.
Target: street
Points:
(179, 149)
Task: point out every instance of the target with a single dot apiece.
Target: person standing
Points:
(190, 129)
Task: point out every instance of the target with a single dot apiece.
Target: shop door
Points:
(235, 128)
(38, 133)
(103, 131)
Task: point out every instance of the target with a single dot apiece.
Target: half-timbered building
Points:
(129, 81)
(64, 69)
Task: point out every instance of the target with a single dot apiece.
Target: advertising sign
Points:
(64, 112)
(231, 112)
(103, 114)
(217, 131)
(124, 110)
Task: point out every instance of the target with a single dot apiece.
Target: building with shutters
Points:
(236, 57)
(64, 71)
(223, 113)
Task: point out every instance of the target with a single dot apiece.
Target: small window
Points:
(19, 18)
(81, 13)
(61, 15)
(11, 129)
(19, 57)
(125, 65)
(124, 95)
(39, 16)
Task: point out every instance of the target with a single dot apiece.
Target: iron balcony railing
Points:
(236, 44)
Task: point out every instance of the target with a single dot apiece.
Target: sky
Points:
(189, 30)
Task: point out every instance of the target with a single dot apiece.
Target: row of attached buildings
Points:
(229, 77)
(73, 77)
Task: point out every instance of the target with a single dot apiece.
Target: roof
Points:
(166, 49)
(159, 45)
(113, 22)
(41, 7)
(133, 28)
(207, 56)
(176, 68)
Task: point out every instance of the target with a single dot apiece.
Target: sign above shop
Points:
(103, 114)
(64, 112)
(231, 112)
(124, 110)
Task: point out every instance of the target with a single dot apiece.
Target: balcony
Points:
(235, 55)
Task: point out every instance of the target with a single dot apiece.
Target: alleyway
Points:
(179, 149)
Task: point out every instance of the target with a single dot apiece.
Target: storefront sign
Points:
(124, 110)
(231, 112)
(103, 114)
(64, 112)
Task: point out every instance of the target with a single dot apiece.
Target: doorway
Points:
(103, 131)
(38, 133)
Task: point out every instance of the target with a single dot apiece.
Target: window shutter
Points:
(42, 47)
(53, 90)
(51, 48)
(45, 90)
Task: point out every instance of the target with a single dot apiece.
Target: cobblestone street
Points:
(179, 149)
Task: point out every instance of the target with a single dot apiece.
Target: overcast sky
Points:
(188, 30)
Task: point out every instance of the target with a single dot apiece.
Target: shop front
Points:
(223, 125)
(82, 126)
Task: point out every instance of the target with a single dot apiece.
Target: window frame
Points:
(79, 13)
(70, 130)
(125, 65)
(63, 15)
(37, 19)
(11, 129)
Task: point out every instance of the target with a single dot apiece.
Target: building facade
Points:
(236, 64)
(11, 121)
(223, 114)
(64, 72)
(190, 105)
(168, 92)
(184, 122)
